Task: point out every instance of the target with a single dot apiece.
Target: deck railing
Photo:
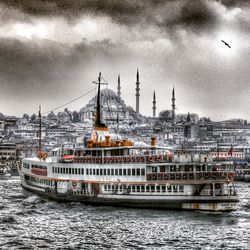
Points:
(212, 175)
(118, 159)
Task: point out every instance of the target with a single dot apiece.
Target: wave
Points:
(7, 219)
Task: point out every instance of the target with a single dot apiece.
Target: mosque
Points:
(114, 108)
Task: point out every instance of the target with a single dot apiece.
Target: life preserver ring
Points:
(198, 175)
(158, 158)
(166, 176)
(207, 175)
(184, 176)
(172, 176)
(154, 176)
(142, 159)
(149, 176)
(111, 159)
(178, 176)
(160, 176)
(137, 159)
(150, 158)
(128, 159)
(132, 158)
(191, 176)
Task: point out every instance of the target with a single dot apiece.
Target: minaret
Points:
(137, 92)
(119, 87)
(173, 107)
(154, 105)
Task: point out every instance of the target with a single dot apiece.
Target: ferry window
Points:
(154, 169)
(172, 169)
(69, 170)
(109, 187)
(79, 171)
(124, 172)
(147, 189)
(138, 171)
(90, 171)
(97, 171)
(82, 171)
(100, 171)
(181, 188)
(56, 170)
(108, 171)
(133, 188)
(152, 188)
(203, 167)
(112, 171)
(104, 172)
(129, 171)
(116, 171)
(120, 171)
(138, 189)
(133, 171)
(53, 169)
(169, 188)
(87, 171)
(73, 170)
(93, 171)
(175, 188)
(142, 188)
(158, 188)
(198, 168)
(163, 188)
(142, 171)
(105, 187)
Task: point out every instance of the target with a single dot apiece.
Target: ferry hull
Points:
(157, 202)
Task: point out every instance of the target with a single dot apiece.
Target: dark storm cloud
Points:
(197, 14)
(30, 66)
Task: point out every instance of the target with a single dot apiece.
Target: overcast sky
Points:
(51, 51)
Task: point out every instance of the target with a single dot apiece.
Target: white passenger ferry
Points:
(115, 172)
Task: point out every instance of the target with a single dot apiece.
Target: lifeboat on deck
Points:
(68, 158)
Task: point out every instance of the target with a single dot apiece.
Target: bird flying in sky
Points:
(226, 44)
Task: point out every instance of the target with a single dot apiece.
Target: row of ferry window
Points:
(41, 181)
(144, 188)
(26, 165)
(90, 171)
(39, 167)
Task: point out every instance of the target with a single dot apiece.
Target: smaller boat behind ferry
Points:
(5, 172)
(111, 171)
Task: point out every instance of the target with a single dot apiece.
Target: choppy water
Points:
(33, 223)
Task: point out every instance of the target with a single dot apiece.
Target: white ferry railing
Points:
(208, 175)
(122, 159)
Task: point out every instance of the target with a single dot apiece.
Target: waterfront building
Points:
(8, 151)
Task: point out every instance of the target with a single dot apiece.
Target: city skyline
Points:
(51, 51)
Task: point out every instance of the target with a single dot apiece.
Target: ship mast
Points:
(40, 134)
(98, 124)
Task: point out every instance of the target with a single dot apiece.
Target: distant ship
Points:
(5, 172)
(115, 172)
